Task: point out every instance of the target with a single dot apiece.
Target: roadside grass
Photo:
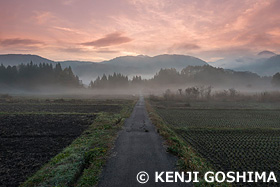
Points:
(80, 164)
(189, 160)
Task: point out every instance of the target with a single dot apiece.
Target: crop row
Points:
(222, 118)
(236, 150)
(230, 139)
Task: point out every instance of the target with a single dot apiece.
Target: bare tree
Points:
(167, 94)
(180, 91)
(192, 92)
(232, 92)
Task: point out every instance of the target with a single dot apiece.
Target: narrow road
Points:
(138, 148)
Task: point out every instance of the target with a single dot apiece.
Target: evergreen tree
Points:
(32, 75)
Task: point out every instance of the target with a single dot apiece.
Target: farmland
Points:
(32, 131)
(231, 136)
(59, 106)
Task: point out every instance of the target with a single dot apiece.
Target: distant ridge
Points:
(264, 63)
(162, 61)
(16, 59)
(266, 53)
(127, 65)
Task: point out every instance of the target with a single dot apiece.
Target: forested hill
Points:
(30, 76)
(127, 65)
(17, 59)
(189, 76)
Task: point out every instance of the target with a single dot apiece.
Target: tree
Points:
(32, 75)
(167, 94)
(192, 92)
(205, 92)
(232, 92)
(180, 91)
(276, 79)
(167, 76)
(91, 84)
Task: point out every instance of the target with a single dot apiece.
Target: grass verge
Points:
(80, 164)
(189, 160)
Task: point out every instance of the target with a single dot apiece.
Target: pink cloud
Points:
(115, 38)
(209, 28)
(19, 41)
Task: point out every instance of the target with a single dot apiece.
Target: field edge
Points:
(189, 159)
(80, 164)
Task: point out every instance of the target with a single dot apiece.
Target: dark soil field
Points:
(29, 141)
(239, 137)
(33, 131)
(57, 107)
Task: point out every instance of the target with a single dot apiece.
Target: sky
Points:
(97, 30)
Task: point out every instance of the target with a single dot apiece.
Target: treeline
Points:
(116, 80)
(208, 75)
(191, 75)
(205, 93)
(276, 80)
(112, 81)
(33, 75)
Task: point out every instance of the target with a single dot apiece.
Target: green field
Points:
(230, 136)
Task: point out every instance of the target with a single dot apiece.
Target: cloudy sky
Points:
(98, 30)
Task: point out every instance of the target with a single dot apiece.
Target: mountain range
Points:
(265, 63)
(128, 65)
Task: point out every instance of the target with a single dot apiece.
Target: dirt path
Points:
(138, 148)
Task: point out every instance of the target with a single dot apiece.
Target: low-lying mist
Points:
(46, 80)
